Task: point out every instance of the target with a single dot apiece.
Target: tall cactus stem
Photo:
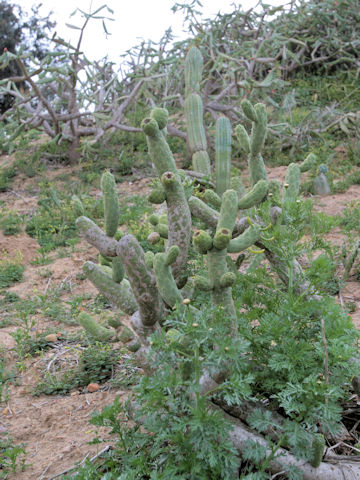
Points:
(111, 203)
(222, 154)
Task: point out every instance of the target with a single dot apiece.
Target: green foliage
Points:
(11, 271)
(6, 178)
(53, 225)
(351, 220)
(322, 274)
(12, 457)
(11, 222)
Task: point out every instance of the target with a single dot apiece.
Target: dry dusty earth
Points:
(55, 429)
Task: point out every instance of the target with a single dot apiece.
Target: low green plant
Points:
(12, 457)
(11, 271)
(11, 222)
(6, 178)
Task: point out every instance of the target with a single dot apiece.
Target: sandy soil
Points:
(55, 430)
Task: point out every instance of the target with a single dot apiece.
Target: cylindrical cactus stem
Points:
(318, 447)
(194, 113)
(210, 217)
(258, 116)
(308, 163)
(201, 163)
(255, 196)
(118, 271)
(203, 283)
(222, 238)
(164, 279)
(96, 237)
(202, 241)
(77, 205)
(292, 182)
(228, 211)
(142, 280)
(222, 154)
(243, 138)
(213, 198)
(161, 115)
(245, 240)
(237, 184)
(111, 203)
(193, 70)
(220, 295)
(157, 195)
(203, 211)
(98, 332)
(158, 147)
(179, 219)
(119, 294)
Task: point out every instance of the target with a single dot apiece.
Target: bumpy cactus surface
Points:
(147, 286)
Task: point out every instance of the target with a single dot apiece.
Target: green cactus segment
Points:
(179, 219)
(237, 184)
(194, 122)
(164, 278)
(243, 138)
(292, 182)
(193, 70)
(201, 163)
(203, 283)
(95, 330)
(162, 229)
(111, 203)
(158, 148)
(308, 163)
(96, 237)
(149, 259)
(202, 241)
(213, 198)
(157, 195)
(245, 240)
(202, 211)
(220, 295)
(171, 255)
(258, 117)
(318, 447)
(222, 238)
(119, 294)
(255, 196)
(114, 322)
(119, 234)
(161, 116)
(142, 280)
(77, 205)
(228, 211)
(223, 154)
(118, 271)
(105, 260)
(227, 279)
(126, 335)
(249, 110)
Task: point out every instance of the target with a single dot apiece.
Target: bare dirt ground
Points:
(56, 429)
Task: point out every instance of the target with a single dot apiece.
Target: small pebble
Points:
(93, 387)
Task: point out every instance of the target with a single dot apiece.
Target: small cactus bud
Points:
(186, 301)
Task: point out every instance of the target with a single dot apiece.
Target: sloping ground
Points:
(55, 429)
